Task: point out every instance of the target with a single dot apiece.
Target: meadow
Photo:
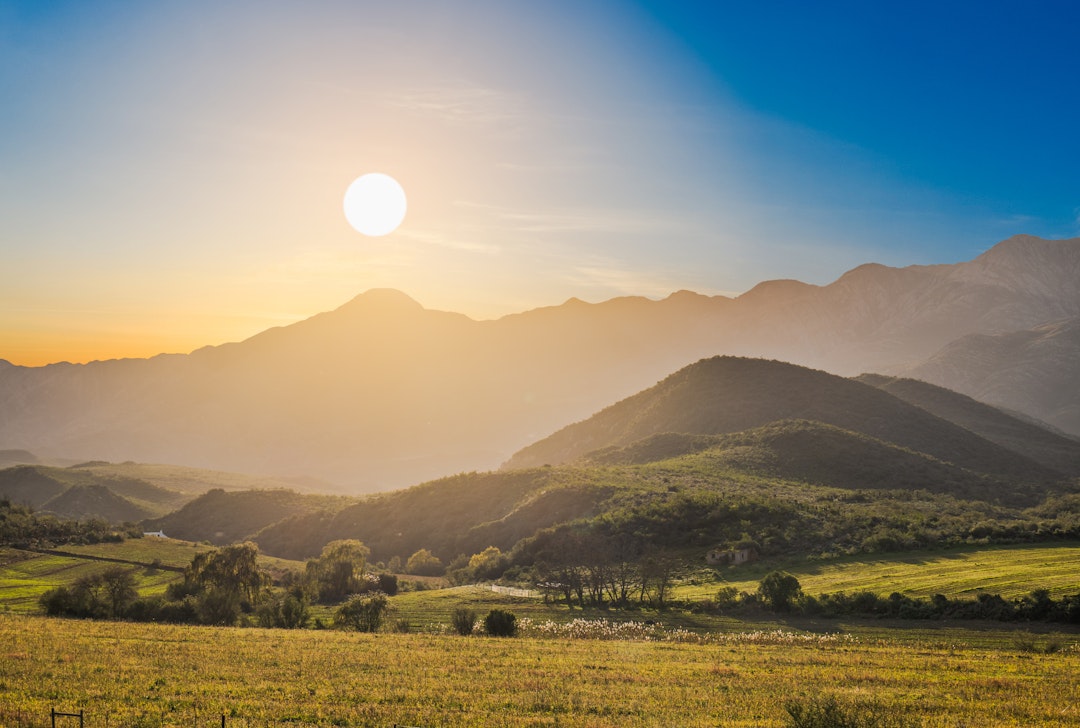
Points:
(123, 674)
(1009, 571)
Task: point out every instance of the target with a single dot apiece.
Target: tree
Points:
(223, 583)
(778, 590)
(119, 588)
(488, 564)
(339, 569)
(363, 613)
(424, 563)
(290, 610)
(657, 573)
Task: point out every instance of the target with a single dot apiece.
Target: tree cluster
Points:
(781, 592)
(596, 570)
(23, 528)
(108, 594)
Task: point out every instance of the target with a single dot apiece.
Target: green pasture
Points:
(146, 550)
(26, 575)
(1010, 571)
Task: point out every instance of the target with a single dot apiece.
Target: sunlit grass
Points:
(1010, 571)
(139, 674)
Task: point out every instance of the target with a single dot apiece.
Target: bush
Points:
(463, 621)
(500, 623)
(828, 712)
(388, 584)
(363, 613)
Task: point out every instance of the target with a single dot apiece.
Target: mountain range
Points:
(727, 449)
(382, 393)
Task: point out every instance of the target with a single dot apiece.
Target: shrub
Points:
(363, 613)
(463, 620)
(500, 623)
(828, 712)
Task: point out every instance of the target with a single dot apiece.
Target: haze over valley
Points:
(382, 393)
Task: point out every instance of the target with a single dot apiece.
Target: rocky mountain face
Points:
(381, 392)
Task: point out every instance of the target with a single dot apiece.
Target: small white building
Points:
(731, 557)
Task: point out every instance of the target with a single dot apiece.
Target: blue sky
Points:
(171, 173)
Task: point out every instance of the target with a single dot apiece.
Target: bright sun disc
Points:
(375, 204)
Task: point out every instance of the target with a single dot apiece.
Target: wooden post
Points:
(55, 714)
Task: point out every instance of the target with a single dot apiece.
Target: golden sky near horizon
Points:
(172, 174)
(189, 190)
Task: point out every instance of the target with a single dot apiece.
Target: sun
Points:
(375, 204)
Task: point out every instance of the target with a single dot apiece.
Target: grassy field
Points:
(26, 575)
(1010, 571)
(148, 675)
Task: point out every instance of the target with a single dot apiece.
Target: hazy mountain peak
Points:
(780, 290)
(382, 299)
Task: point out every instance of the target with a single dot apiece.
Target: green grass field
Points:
(140, 675)
(26, 575)
(1010, 571)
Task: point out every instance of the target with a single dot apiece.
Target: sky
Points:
(172, 173)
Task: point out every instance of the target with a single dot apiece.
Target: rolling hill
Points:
(1041, 443)
(787, 442)
(382, 392)
(729, 394)
(223, 518)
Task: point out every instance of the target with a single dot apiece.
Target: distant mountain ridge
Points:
(381, 392)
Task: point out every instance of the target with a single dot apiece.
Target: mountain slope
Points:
(1048, 448)
(223, 518)
(381, 392)
(727, 394)
(95, 501)
(1033, 370)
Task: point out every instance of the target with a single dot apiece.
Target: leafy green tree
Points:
(339, 570)
(779, 590)
(223, 583)
(488, 563)
(364, 613)
(424, 563)
(289, 610)
(119, 588)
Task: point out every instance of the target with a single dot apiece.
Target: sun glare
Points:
(375, 204)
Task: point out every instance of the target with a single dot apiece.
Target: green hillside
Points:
(1010, 571)
(26, 575)
(155, 562)
(729, 394)
(1049, 448)
(819, 454)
